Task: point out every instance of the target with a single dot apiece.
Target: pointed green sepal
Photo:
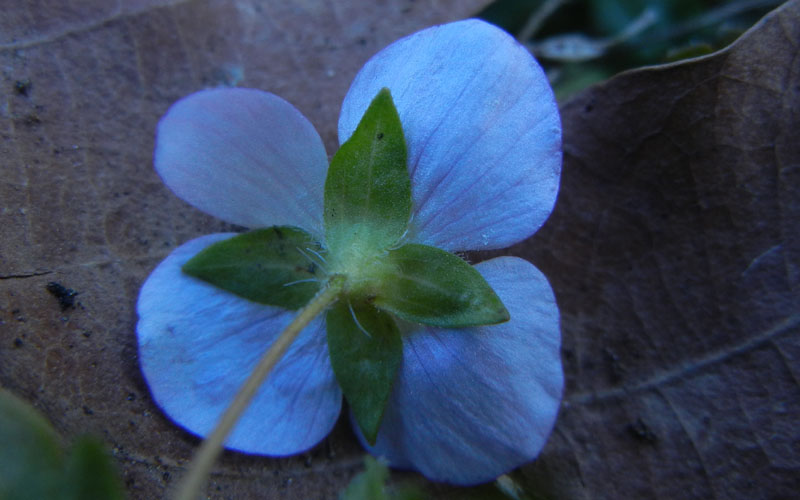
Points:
(428, 285)
(368, 189)
(278, 266)
(365, 349)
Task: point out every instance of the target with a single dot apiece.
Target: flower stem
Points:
(211, 447)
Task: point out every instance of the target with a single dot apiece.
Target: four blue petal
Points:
(484, 143)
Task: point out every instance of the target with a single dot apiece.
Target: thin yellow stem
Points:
(210, 449)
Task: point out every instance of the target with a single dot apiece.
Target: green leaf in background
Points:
(365, 348)
(30, 451)
(368, 189)
(32, 464)
(371, 485)
(428, 285)
(89, 472)
(678, 29)
(278, 266)
(368, 485)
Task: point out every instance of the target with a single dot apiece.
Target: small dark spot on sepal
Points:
(380, 135)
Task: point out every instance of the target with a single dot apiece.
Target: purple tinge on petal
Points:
(198, 343)
(245, 156)
(471, 404)
(482, 128)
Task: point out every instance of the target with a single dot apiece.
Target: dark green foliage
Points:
(33, 464)
(678, 29)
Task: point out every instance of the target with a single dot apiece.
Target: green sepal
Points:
(276, 266)
(368, 189)
(365, 349)
(428, 285)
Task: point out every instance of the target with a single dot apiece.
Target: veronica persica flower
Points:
(450, 142)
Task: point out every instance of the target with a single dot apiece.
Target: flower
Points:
(483, 138)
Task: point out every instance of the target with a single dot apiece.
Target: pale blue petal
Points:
(482, 128)
(471, 404)
(245, 156)
(198, 343)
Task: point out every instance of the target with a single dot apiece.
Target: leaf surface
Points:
(89, 472)
(368, 485)
(32, 463)
(673, 248)
(674, 254)
(31, 455)
(83, 86)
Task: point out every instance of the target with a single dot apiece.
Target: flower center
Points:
(355, 255)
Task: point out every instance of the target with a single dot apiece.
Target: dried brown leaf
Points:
(83, 84)
(674, 251)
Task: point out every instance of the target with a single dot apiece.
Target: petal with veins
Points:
(482, 128)
(197, 345)
(245, 156)
(471, 404)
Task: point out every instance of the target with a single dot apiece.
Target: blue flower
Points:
(484, 156)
